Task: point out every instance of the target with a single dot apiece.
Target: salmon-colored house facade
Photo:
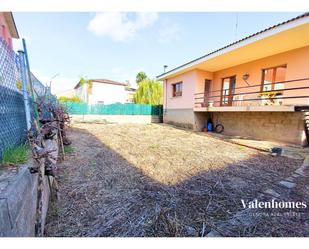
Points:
(8, 29)
(256, 87)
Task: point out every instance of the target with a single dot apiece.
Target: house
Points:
(256, 87)
(104, 91)
(67, 93)
(8, 29)
(130, 94)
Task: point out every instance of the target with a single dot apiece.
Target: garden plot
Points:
(156, 180)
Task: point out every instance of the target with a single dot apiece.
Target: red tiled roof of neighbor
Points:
(231, 44)
(104, 81)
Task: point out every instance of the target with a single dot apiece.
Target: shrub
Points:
(68, 149)
(74, 99)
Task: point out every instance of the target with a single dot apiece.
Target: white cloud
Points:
(169, 31)
(120, 26)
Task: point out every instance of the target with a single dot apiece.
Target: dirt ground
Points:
(157, 180)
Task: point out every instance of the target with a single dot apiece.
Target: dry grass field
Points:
(157, 180)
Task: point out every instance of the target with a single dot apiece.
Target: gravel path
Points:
(156, 180)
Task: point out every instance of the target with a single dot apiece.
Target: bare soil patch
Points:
(156, 180)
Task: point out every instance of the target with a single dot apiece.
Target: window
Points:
(177, 89)
(272, 75)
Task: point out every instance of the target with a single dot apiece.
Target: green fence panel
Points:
(113, 109)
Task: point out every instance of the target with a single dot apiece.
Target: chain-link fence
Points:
(13, 123)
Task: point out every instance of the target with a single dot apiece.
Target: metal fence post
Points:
(24, 87)
(36, 114)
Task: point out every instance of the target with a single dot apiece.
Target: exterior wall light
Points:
(245, 77)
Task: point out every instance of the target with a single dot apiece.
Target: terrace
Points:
(283, 96)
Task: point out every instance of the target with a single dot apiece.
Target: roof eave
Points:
(100, 82)
(253, 38)
(11, 24)
(110, 83)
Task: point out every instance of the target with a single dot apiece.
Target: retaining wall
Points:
(285, 127)
(18, 201)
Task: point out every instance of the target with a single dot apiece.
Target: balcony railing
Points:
(290, 92)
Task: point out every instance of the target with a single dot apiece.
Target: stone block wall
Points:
(287, 127)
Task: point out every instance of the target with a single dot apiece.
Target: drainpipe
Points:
(28, 68)
(165, 109)
(24, 87)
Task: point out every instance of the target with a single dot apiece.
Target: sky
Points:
(116, 46)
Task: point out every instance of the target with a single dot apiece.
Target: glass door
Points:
(228, 89)
(206, 92)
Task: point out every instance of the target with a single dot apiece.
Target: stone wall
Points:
(285, 127)
(121, 119)
(18, 200)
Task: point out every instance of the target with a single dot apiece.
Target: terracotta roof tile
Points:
(106, 81)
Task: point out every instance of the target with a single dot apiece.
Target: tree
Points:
(140, 77)
(149, 92)
(83, 81)
(74, 99)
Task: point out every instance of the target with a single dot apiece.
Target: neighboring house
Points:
(8, 28)
(130, 94)
(103, 91)
(67, 93)
(256, 87)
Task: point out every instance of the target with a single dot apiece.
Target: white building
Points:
(103, 91)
